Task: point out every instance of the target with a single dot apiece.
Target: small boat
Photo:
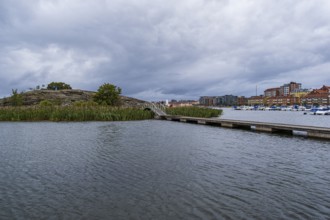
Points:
(301, 108)
(247, 108)
(322, 111)
(288, 108)
(261, 108)
(318, 110)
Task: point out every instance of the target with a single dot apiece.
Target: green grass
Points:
(194, 112)
(73, 113)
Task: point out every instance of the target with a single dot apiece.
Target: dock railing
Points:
(158, 108)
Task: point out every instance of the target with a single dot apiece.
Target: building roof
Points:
(271, 89)
(319, 93)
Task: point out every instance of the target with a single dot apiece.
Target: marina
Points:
(313, 110)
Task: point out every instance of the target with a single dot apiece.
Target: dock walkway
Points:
(308, 131)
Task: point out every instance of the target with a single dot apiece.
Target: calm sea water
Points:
(159, 170)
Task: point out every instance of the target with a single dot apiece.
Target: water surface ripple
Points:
(159, 170)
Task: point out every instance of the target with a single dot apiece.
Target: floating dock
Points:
(301, 130)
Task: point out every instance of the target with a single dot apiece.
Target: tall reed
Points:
(194, 112)
(73, 113)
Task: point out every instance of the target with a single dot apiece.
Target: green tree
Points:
(16, 98)
(108, 94)
(58, 86)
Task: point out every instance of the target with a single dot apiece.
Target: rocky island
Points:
(66, 104)
(66, 97)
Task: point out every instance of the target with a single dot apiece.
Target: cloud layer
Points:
(162, 50)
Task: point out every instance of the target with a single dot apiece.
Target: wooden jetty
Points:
(308, 131)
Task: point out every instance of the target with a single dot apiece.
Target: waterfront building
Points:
(242, 100)
(183, 103)
(300, 92)
(318, 97)
(286, 89)
(256, 100)
(206, 100)
(272, 92)
(226, 100)
(283, 101)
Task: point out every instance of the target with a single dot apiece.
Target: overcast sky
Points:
(157, 50)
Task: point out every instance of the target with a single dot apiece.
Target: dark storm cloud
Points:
(162, 50)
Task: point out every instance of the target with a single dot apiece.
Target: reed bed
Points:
(73, 113)
(194, 112)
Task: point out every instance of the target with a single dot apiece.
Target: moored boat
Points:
(322, 110)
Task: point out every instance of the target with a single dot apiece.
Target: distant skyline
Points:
(158, 50)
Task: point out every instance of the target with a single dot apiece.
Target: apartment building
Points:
(286, 89)
(206, 100)
(272, 92)
(318, 96)
(226, 100)
(282, 101)
(242, 100)
(256, 100)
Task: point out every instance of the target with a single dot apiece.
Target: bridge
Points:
(157, 108)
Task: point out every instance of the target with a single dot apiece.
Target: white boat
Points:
(247, 108)
(286, 108)
(319, 111)
(323, 111)
(301, 108)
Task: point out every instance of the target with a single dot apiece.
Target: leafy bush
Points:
(108, 94)
(16, 99)
(46, 103)
(58, 86)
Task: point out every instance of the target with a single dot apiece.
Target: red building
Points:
(286, 89)
(318, 97)
(272, 92)
(256, 100)
(241, 100)
(283, 100)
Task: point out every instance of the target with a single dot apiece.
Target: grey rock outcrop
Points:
(66, 97)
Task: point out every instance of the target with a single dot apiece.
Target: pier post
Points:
(183, 120)
(227, 125)
(318, 134)
(263, 128)
(202, 122)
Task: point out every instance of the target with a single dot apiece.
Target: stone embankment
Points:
(66, 97)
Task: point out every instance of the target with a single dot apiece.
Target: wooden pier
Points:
(301, 130)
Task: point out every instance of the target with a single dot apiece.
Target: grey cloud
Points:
(157, 49)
